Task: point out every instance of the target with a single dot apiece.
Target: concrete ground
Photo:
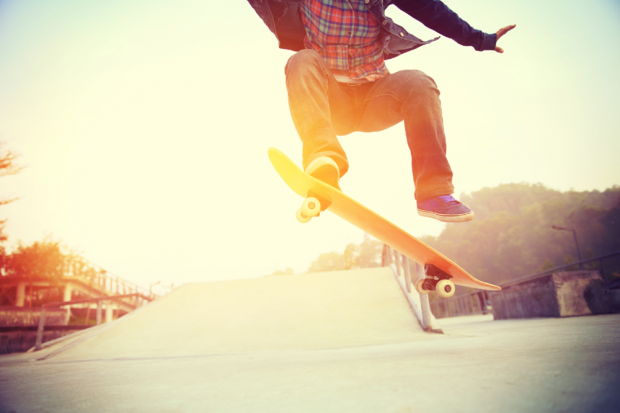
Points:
(479, 365)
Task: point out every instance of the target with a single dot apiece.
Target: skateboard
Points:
(441, 273)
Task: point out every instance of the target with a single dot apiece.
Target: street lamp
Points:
(151, 287)
(576, 243)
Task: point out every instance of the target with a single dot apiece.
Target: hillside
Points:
(511, 235)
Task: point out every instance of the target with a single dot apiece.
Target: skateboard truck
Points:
(312, 207)
(436, 279)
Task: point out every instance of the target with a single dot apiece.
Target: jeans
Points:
(323, 109)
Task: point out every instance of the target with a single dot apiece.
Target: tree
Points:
(8, 166)
(368, 253)
(40, 259)
(512, 235)
(288, 271)
(48, 259)
(329, 261)
(365, 255)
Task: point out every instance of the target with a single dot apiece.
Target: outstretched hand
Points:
(502, 32)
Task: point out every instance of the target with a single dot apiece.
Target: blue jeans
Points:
(323, 109)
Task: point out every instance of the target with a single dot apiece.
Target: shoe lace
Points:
(449, 199)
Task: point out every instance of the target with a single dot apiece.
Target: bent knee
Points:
(418, 80)
(418, 84)
(303, 59)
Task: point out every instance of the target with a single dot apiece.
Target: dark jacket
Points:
(283, 19)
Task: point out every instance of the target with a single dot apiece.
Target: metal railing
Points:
(98, 278)
(600, 259)
(98, 300)
(476, 302)
(401, 265)
(110, 284)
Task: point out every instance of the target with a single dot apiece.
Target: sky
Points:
(144, 128)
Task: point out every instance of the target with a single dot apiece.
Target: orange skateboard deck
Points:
(374, 224)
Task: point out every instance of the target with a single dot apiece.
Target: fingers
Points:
(505, 30)
(502, 32)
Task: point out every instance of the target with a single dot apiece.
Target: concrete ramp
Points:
(296, 312)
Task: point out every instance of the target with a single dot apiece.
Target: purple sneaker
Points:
(445, 208)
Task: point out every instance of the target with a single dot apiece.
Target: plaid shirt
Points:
(347, 36)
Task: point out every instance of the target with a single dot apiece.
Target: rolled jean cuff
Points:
(432, 194)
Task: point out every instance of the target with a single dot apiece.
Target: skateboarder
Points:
(338, 83)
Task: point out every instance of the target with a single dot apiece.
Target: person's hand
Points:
(502, 32)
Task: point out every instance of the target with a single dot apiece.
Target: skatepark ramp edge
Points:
(298, 312)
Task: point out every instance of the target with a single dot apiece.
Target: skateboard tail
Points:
(413, 248)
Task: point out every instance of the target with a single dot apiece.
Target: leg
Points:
(412, 96)
(315, 100)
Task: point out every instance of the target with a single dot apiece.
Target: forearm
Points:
(437, 16)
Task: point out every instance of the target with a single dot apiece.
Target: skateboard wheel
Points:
(445, 288)
(311, 207)
(419, 286)
(301, 217)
